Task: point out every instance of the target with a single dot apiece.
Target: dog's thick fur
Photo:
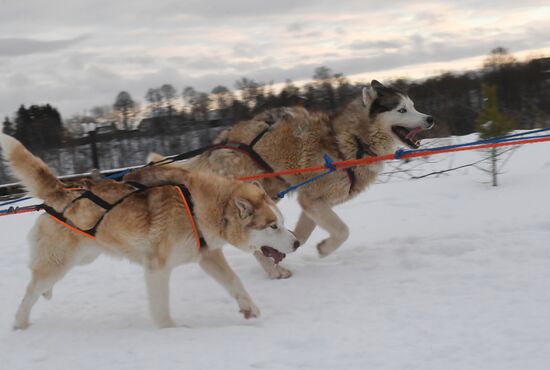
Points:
(300, 138)
(150, 228)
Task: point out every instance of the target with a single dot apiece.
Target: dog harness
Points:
(362, 151)
(248, 149)
(182, 190)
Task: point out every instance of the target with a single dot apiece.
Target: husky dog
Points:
(153, 227)
(375, 123)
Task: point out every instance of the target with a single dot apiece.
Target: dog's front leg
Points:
(158, 289)
(215, 264)
(304, 228)
(323, 215)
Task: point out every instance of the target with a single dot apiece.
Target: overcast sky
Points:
(76, 54)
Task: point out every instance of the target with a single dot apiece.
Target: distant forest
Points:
(454, 99)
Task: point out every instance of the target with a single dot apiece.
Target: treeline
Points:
(454, 99)
(38, 126)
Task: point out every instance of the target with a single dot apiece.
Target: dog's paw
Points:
(324, 248)
(21, 325)
(279, 272)
(250, 311)
(48, 294)
(165, 323)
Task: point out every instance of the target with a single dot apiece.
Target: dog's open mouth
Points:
(407, 136)
(273, 253)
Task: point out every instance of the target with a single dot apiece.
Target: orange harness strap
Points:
(180, 188)
(189, 208)
(73, 228)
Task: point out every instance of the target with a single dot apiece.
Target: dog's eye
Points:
(274, 226)
(402, 110)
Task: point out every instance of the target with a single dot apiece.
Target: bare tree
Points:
(168, 93)
(75, 124)
(322, 73)
(102, 112)
(124, 104)
(223, 98)
(154, 97)
(201, 106)
(325, 95)
(189, 96)
(498, 57)
(250, 91)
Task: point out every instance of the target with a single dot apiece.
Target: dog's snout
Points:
(430, 119)
(296, 244)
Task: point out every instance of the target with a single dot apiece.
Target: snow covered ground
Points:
(439, 273)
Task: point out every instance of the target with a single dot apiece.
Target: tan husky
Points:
(155, 227)
(374, 123)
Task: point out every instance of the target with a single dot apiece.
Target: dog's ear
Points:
(379, 88)
(244, 207)
(375, 84)
(154, 157)
(368, 95)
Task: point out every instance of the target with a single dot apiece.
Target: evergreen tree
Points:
(22, 125)
(8, 127)
(39, 126)
(492, 123)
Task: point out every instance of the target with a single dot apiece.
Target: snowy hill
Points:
(439, 273)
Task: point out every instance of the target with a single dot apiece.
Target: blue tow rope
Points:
(14, 201)
(500, 139)
(328, 164)
(331, 168)
(399, 153)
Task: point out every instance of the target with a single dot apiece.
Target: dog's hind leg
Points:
(86, 257)
(43, 279)
(52, 256)
(158, 290)
(322, 214)
(274, 270)
(304, 228)
(214, 263)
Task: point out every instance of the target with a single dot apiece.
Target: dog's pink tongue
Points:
(413, 133)
(273, 253)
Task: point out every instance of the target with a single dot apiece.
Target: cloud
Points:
(141, 44)
(13, 47)
(242, 8)
(378, 44)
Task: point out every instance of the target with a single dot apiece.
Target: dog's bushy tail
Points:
(34, 174)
